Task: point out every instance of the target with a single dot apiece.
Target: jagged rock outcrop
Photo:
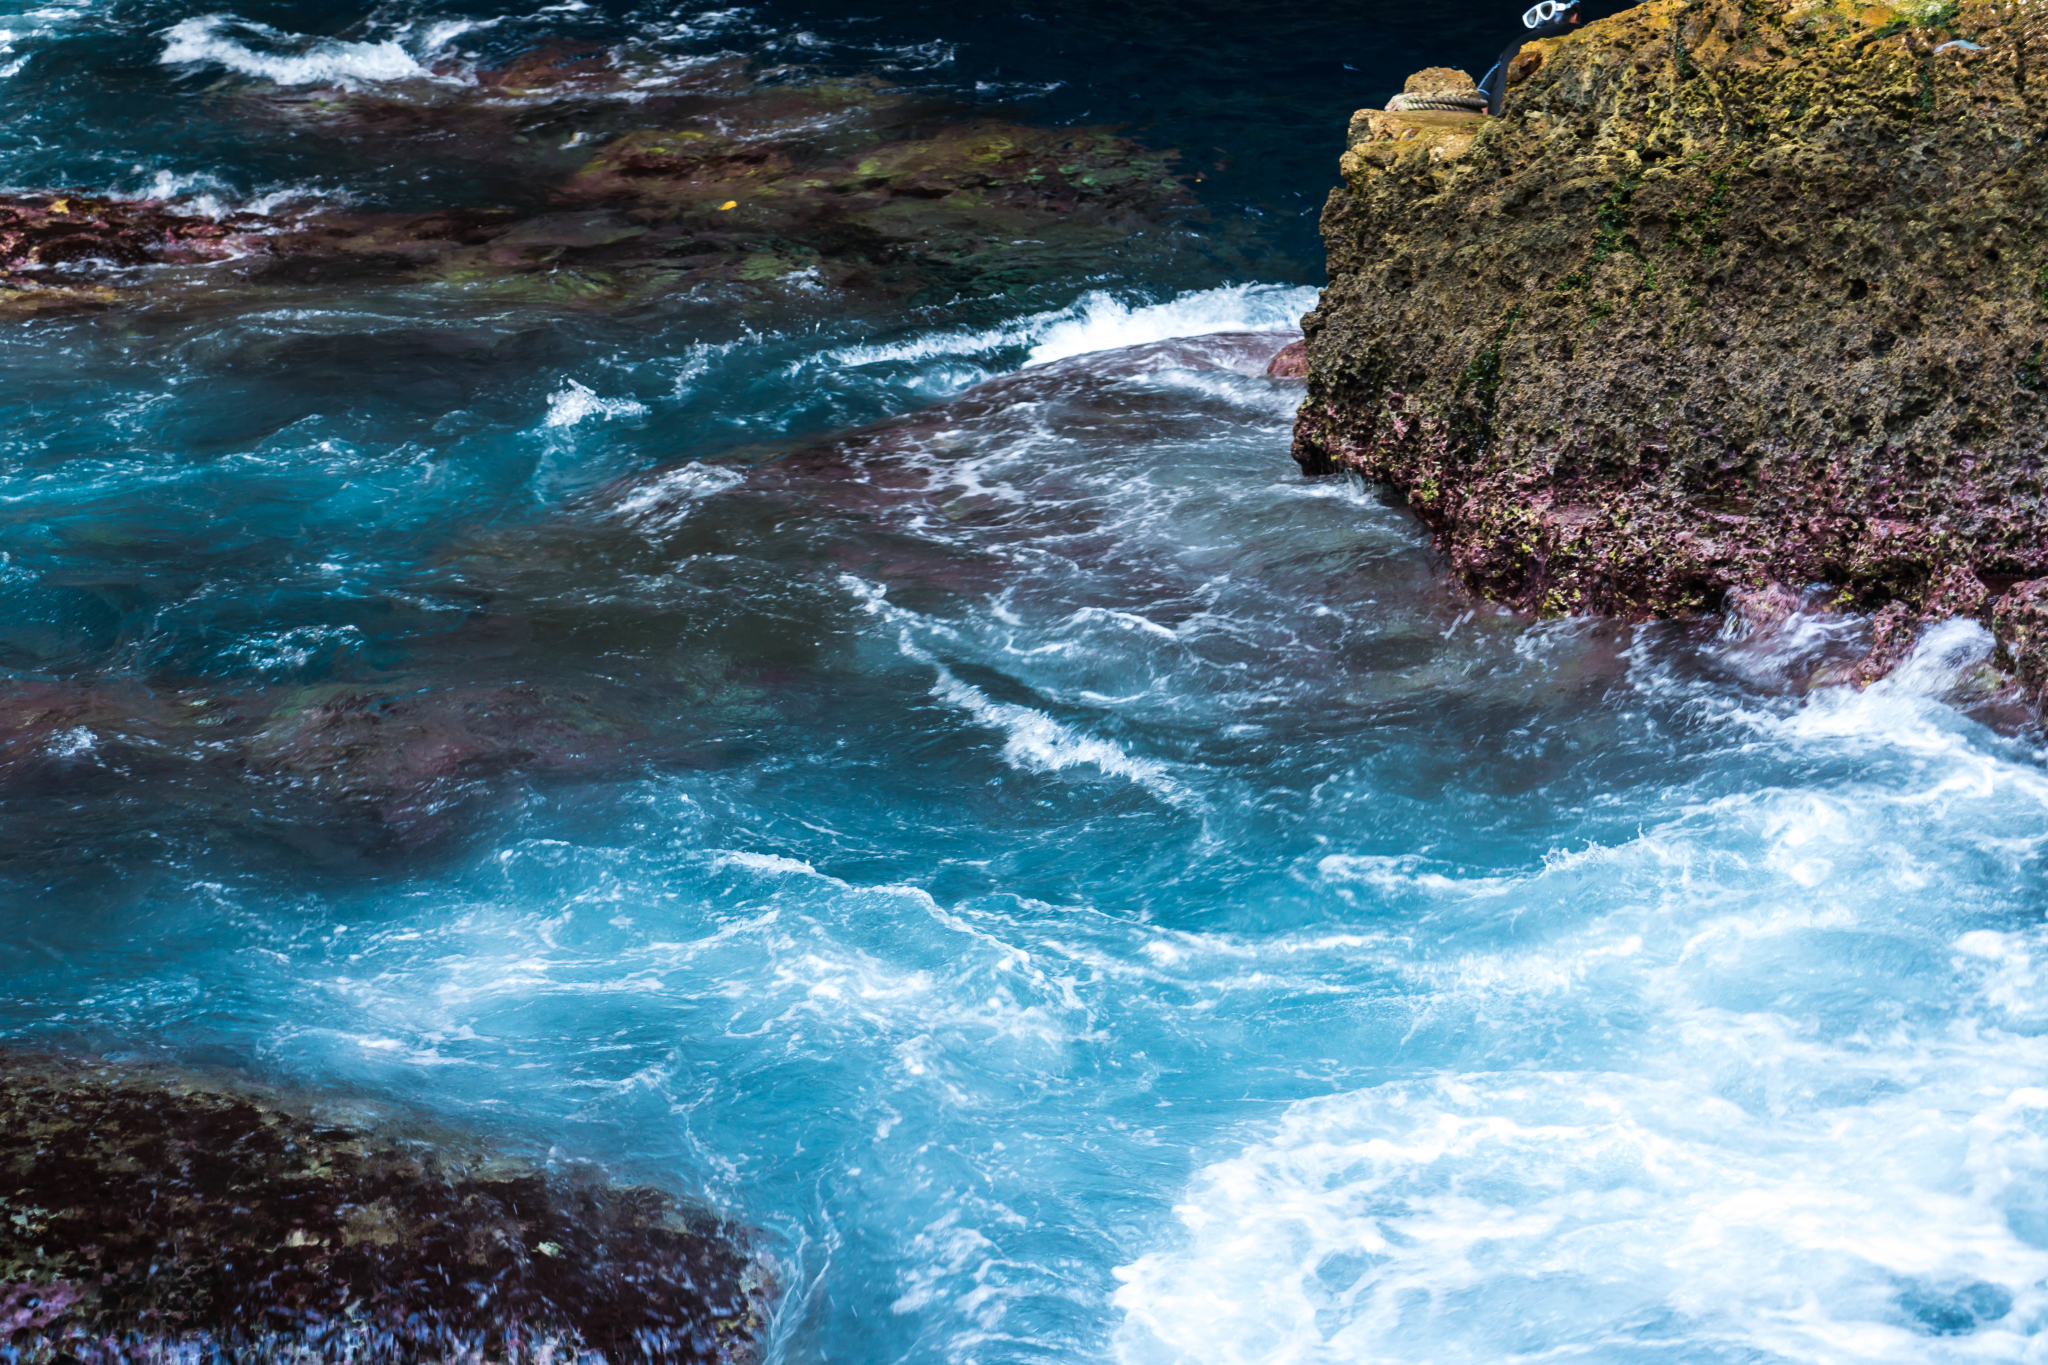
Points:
(1735, 293)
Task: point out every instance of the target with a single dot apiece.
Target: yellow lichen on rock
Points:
(1433, 79)
(1379, 140)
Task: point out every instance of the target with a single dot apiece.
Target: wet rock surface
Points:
(57, 250)
(150, 1214)
(1290, 362)
(1730, 296)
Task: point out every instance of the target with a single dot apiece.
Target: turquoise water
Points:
(1082, 890)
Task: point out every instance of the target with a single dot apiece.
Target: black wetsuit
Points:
(1495, 86)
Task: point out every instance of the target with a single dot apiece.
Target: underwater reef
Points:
(1736, 297)
(152, 1214)
(610, 185)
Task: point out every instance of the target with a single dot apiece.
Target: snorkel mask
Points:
(1548, 12)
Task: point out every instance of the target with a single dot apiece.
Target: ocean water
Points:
(962, 802)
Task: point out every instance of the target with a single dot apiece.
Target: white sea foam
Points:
(1035, 742)
(699, 358)
(1771, 1173)
(576, 401)
(1405, 872)
(1278, 402)
(1903, 714)
(771, 863)
(1103, 322)
(258, 50)
(283, 651)
(76, 742)
(1098, 321)
(208, 196)
(10, 64)
(1942, 657)
(1599, 1216)
(925, 346)
(24, 28)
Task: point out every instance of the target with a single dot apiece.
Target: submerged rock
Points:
(861, 501)
(1732, 295)
(417, 763)
(630, 182)
(967, 199)
(406, 756)
(148, 1215)
(902, 459)
(41, 721)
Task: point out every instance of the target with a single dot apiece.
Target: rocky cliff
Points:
(1734, 294)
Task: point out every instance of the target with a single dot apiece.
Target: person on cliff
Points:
(1546, 19)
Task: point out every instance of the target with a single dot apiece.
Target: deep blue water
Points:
(1083, 890)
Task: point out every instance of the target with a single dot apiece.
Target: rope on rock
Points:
(1471, 103)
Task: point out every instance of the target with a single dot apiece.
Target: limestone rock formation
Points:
(1735, 293)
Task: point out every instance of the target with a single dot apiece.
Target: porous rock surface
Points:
(1735, 293)
(151, 1215)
